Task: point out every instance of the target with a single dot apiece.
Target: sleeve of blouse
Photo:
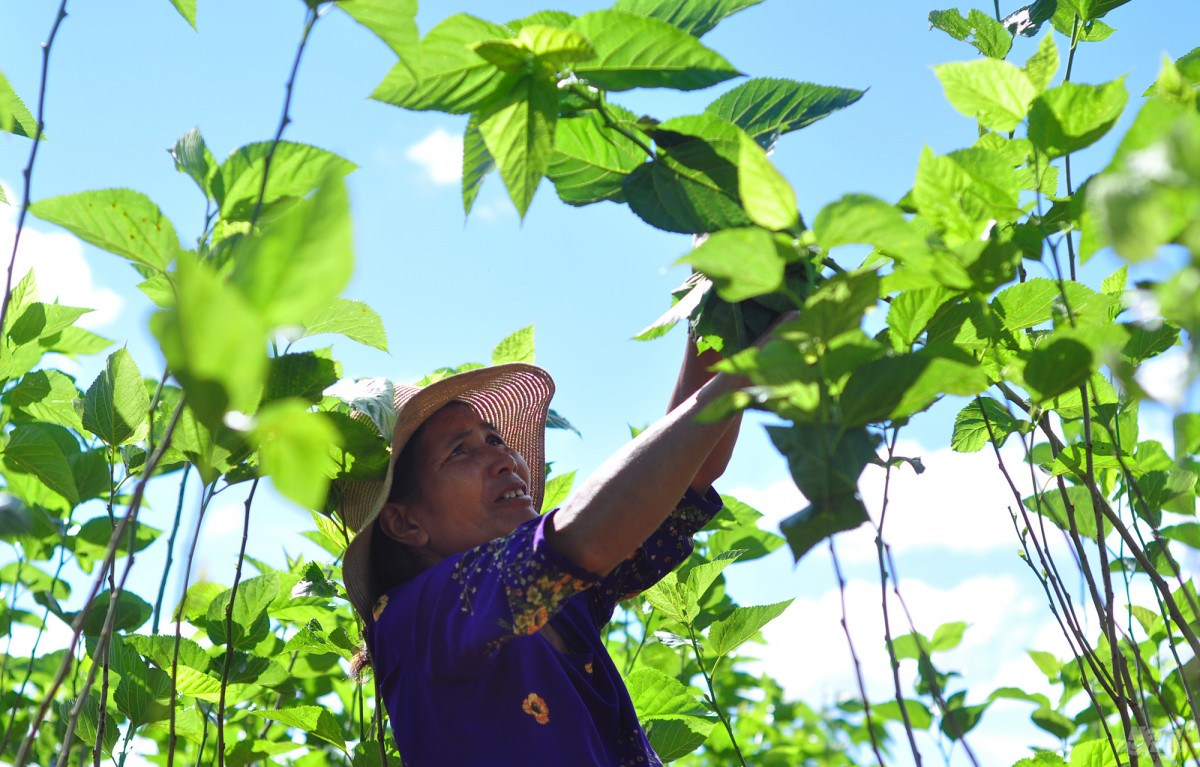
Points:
(460, 612)
(662, 552)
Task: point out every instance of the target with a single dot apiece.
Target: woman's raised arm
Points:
(629, 496)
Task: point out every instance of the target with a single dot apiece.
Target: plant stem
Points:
(862, 688)
(237, 578)
(162, 586)
(712, 694)
(285, 119)
(597, 103)
(28, 172)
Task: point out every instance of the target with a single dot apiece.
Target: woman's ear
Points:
(399, 523)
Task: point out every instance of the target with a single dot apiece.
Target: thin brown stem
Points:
(229, 644)
(862, 687)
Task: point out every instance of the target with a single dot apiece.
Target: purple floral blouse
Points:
(469, 682)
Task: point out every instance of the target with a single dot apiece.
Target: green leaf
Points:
(740, 625)
(315, 720)
(996, 93)
(1090, 10)
(187, 9)
(393, 21)
(990, 36)
(676, 737)
(301, 261)
(635, 51)
(766, 108)
(656, 695)
(1072, 116)
(34, 579)
(557, 490)
(742, 263)
(866, 220)
(117, 402)
(838, 306)
(590, 161)
(192, 157)
(1052, 506)
(813, 524)
(963, 192)
(1186, 430)
(45, 395)
(249, 614)
(14, 115)
(477, 163)
(555, 45)
(972, 431)
(520, 137)
(129, 613)
(898, 386)
(1093, 753)
(918, 715)
(1043, 64)
(1057, 367)
(446, 75)
(359, 453)
(91, 543)
(214, 342)
(352, 319)
(37, 321)
(40, 450)
(296, 170)
(694, 17)
(517, 347)
(505, 55)
(766, 195)
(910, 312)
(952, 22)
(293, 447)
(947, 636)
(305, 375)
(120, 221)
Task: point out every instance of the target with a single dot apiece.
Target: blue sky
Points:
(128, 78)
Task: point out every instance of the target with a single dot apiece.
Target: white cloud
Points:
(59, 266)
(440, 154)
(1166, 377)
(961, 502)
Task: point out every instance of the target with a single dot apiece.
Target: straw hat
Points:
(515, 398)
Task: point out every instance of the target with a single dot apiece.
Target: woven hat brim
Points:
(515, 398)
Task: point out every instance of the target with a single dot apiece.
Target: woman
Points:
(483, 618)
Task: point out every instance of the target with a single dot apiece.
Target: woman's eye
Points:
(495, 439)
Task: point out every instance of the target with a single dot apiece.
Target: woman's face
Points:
(471, 486)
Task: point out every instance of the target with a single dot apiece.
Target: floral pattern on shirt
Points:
(537, 708)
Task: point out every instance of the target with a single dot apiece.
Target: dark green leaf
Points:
(41, 450)
(446, 75)
(1072, 116)
(129, 613)
(766, 108)
(359, 453)
(742, 263)
(1090, 10)
(694, 17)
(117, 402)
(39, 320)
(352, 319)
(296, 170)
(635, 51)
(91, 543)
(972, 431)
(838, 306)
(813, 524)
(1056, 367)
(304, 375)
(959, 719)
(898, 386)
(249, 614)
(677, 737)
(910, 312)
(120, 221)
(1053, 507)
(45, 395)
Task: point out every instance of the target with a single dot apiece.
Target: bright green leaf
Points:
(41, 451)
(352, 319)
(192, 157)
(296, 170)
(187, 9)
(45, 395)
(995, 92)
(740, 625)
(635, 51)
(117, 402)
(520, 137)
(590, 161)
(766, 108)
(696, 17)
(742, 263)
(866, 220)
(766, 195)
(392, 21)
(477, 163)
(972, 431)
(1041, 67)
(517, 347)
(301, 261)
(293, 446)
(557, 490)
(315, 720)
(554, 45)
(1072, 116)
(120, 221)
(14, 115)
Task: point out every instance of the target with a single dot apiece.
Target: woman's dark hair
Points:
(391, 562)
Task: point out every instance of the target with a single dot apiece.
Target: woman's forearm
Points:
(629, 496)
